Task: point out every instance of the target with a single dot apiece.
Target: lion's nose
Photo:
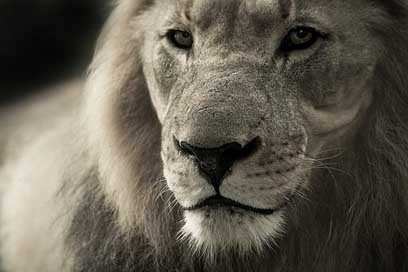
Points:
(214, 163)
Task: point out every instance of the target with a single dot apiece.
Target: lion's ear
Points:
(122, 124)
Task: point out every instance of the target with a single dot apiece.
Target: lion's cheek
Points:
(161, 72)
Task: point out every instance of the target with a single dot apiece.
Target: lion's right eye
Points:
(300, 38)
(181, 39)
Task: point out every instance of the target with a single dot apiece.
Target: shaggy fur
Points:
(354, 216)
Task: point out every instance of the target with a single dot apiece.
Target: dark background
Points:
(46, 41)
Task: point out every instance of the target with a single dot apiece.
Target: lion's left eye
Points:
(299, 38)
(181, 39)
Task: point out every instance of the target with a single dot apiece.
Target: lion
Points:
(234, 135)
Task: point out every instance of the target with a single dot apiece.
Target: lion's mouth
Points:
(219, 201)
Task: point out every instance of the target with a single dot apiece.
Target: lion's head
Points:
(243, 124)
(248, 93)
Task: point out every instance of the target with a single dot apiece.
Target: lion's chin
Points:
(210, 231)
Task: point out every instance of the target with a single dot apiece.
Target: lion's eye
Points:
(180, 39)
(299, 38)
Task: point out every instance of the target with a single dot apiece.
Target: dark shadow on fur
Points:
(353, 220)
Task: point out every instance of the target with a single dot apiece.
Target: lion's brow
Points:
(285, 7)
(187, 9)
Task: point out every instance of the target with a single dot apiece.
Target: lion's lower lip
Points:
(220, 201)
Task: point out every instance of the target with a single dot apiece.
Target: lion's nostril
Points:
(250, 148)
(215, 163)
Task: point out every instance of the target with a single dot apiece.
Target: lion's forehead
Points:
(229, 15)
(234, 10)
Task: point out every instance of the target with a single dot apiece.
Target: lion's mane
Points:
(354, 217)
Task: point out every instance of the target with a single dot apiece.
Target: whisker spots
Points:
(270, 173)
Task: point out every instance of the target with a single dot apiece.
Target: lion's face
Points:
(248, 91)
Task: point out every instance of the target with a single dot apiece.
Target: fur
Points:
(354, 216)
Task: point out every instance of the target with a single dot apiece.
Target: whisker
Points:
(162, 192)
(317, 158)
(296, 191)
(329, 168)
(172, 205)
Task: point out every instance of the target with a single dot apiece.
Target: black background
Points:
(46, 41)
